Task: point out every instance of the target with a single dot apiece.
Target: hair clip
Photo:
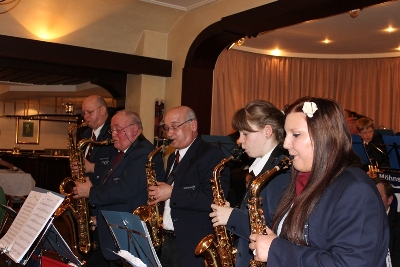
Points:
(309, 108)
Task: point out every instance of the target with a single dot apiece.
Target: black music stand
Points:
(33, 229)
(131, 235)
(226, 143)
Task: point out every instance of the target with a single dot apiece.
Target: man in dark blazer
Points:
(187, 191)
(124, 186)
(386, 190)
(97, 160)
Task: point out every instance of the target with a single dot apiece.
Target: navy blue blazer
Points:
(348, 227)
(192, 196)
(271, 194)
(101, 155)
(125, 189)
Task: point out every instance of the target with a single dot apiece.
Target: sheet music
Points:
(30, 221)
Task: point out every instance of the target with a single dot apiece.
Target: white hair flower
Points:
(309, 109)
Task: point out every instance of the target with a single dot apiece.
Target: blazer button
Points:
(240, 254)
(174, 203)
(233, 228)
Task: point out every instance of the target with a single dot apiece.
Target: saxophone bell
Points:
(221, 252)
(208, 249)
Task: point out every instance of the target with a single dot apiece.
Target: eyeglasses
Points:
(166, 129)
(111, 131)
(84, 113)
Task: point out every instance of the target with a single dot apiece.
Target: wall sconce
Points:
(239, 42)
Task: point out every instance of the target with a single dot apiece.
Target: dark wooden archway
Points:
(37, 62)
(197, 78)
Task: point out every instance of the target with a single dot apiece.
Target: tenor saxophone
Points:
(219, 253)
(149, 214)
(78, 209)
(256, 214)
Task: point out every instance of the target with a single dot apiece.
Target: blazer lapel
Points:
(187, 160)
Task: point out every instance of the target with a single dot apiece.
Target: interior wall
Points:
(186, 29)
(52, 135)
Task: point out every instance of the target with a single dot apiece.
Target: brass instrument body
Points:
(256, 213)
(79, 208)
(150, 214)
(220, 253)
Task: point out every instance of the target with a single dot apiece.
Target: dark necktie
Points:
(117, 158)
(89, 153)
(171, 175)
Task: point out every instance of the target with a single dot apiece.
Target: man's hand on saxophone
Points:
(220, 214)
(81, 190)
(160, 192)
(89, 167)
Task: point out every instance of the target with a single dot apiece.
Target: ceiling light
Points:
(354, 13)
(326, 41)
(390, 29)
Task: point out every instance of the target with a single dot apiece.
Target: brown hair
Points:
(389, 190)
(364, 123)
(260, 113)
(332, 154)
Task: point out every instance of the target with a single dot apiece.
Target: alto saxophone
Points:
(221, 252)
(79, 208)
(256, 214)
(149, 214)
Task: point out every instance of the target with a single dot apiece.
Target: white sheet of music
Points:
(31, 219)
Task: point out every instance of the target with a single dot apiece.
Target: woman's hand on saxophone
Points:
(160, 192)
(220, 214)
(260, 245)
(81, 190)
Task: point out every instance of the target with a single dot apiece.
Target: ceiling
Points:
(362, 36)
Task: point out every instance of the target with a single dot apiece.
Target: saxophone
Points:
(149, 214)
(78, 209)
(219, 253)
(257, 220)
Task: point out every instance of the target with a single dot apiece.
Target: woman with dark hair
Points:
(260, 125)
(331, 213)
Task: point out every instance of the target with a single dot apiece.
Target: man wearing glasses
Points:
(187, 189)
(123, 187)
(97, 159)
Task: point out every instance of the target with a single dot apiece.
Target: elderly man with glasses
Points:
(123, 186)
(187, 189)
(97, 159)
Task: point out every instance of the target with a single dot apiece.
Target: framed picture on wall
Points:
(27, 131)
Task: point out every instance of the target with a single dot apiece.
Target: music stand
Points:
(131, 234)
(226, 143)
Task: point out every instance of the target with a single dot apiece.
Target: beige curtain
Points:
(367, 86)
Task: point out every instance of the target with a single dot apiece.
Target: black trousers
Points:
(169, 253)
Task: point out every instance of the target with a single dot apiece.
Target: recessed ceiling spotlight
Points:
(326, 41)
(390, 29)
(398, 48)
